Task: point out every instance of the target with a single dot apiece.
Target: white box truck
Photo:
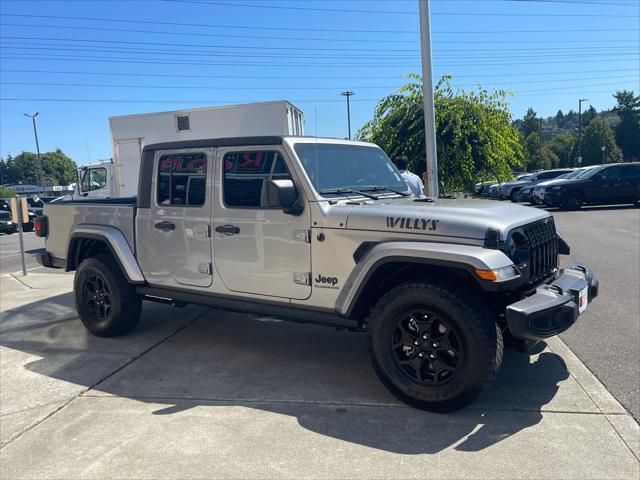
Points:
(130, 133)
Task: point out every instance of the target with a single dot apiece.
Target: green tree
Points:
(24, 168)
(60, 167)
(530, 123)
(589, 115)
(628, 130)
(536, 158)
(595, 135)
(474, 132)
(563, 146)
(7, 192)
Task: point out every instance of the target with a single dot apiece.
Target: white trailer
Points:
(130, 133)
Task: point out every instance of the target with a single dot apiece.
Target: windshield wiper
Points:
(340, 191)
(392, 190)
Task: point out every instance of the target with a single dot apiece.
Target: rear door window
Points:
(182, 179)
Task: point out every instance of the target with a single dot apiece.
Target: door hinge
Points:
(302, 278)
(205, 268)
(302, 236)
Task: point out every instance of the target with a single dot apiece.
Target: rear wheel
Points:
(572, 201)
(106, 303)
(432, 347)
(513, 196)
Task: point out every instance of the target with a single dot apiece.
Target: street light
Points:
(348, 94)
(580, 128)
(35, 132)
(603, 148)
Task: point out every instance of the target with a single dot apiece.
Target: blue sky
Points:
(135, 56)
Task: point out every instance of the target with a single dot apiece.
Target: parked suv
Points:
(608, 184)
(510, 189)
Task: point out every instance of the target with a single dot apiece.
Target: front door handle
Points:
(228, 229)
(166, 226)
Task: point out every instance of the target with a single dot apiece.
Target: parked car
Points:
(508, 190)
(607, 184)
(537, 194)
(5, 204)
(6, 224)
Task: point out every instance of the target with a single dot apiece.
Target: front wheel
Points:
(106, 303)
(433, 347)
(572, 201)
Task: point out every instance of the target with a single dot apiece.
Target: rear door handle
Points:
(166, 226)
(228, 229)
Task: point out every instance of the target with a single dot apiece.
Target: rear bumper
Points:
(7, 226)
(45, 259)
(554, 307)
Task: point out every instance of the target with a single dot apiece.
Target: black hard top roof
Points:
(218, 142)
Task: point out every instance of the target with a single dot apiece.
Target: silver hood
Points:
(452, 218)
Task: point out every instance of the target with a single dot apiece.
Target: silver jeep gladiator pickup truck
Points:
(324, 231)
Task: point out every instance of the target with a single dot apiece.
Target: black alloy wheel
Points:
(425, 348)
(97, 296)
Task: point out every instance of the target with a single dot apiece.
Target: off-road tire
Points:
(125, 305)
(480, 338)
(572, 201)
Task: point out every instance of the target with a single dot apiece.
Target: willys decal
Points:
(408, 223)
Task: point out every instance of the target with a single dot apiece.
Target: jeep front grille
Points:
(534, 248)
(543, 249)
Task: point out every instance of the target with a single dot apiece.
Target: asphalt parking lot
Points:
(200, 393)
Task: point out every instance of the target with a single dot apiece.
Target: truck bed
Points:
(66, 217)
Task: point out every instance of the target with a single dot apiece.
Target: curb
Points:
(619, 419)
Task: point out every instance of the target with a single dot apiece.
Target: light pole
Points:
(603, 148)
(35, 132)
(580, 128)
(431, 183)
(348, 94)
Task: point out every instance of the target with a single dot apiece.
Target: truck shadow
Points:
(320, 376)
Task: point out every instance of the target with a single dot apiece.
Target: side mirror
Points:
(282, 194)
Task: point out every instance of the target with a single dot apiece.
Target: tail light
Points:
(41, 226)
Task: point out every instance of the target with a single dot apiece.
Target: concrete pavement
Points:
(199, 393)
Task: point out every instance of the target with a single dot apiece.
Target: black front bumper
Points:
(554, 307)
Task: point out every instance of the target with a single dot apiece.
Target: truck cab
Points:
(95, 180)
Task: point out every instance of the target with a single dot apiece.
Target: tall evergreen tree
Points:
(628, 130)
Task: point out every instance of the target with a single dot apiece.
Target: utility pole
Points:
(431, 182)
(35, 132)
(348, 94)
(540, 140)
(580, 129)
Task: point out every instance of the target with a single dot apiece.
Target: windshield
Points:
(589, 172)
(348, 167)
(522, 178)
(35, 202)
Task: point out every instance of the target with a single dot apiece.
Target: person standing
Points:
(415, 184)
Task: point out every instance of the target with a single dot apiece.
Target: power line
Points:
(221, 35)
(288, 87)
(388, 12)
(478, 53)
(238, 47)
(351, 64)
(229, 102)
(312, 29)
(293, 77)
